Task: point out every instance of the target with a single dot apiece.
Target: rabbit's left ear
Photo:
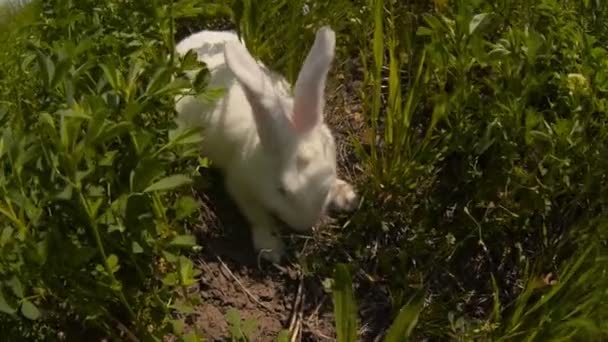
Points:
(245, 68)
(309, 98)
(254, 81)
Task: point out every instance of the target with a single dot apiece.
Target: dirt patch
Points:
(274, 300)
(263, 300)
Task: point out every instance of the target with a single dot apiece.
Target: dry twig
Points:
(126, 331)
(247, 292)
(310, 328)
(295, 324)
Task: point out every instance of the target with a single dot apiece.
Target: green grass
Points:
(487, 160)
(482, 163)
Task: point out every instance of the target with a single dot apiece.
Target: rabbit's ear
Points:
(309, 88)
(254, 81)
(245, 68)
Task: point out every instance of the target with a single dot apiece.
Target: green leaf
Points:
(234, 323)
(80, 256)
(108, 158)
(4, 305)
(201, 80)
(186, 271)
(211, 94)
(135, 71)
(133, 109)
(190, 60)
(170, 257)
(112, 131)
(112, 262)
(424, 31)
(344, 305)
(233, 317)
(161, 77)
(406, 320)
(476, 21)
(65, 194)
(60, 72)
(185, 137)
(29, 310)
(170, 279)
(283, 336)
(434, 22)
(378, 37)
(191, 337)
(178, 326)
(84, 45)
(95, 191)
(496, 308)
(42, 249)
(46, 66)
(249, 327)
(111, 75)
(145, 172)
(169, 183)
(16, 286)
(136, 248)
(184, 307)
(6, 236)
(441, 101)
(185, 206)
(172, 87)
(184, 241)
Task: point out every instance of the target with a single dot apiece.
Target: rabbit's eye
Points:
(302, 162)
(282, 190)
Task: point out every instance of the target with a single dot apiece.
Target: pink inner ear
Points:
(307, 115)
(300, 123)
(310, 85)
(293, 121)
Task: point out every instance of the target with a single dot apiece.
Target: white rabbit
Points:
(277, 155)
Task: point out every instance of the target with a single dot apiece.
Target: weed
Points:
(92, 211)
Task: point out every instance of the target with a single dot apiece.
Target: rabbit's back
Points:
(229, 129)
(208, 45)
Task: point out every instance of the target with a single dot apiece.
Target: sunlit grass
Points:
(442, 97)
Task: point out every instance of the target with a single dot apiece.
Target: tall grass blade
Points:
(378, 62)
(344, 305)
(406, 321)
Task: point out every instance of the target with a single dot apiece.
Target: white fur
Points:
(277, 156)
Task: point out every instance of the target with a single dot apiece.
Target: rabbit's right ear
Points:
(310, 85)
(255, 83)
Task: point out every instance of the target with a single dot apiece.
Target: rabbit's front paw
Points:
(268, 244)
(343, 196)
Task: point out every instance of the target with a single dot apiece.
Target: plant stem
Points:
(95, 230)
